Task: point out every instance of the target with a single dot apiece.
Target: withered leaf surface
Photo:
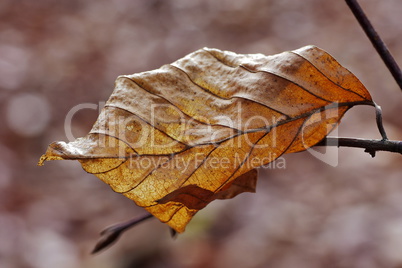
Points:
(176, 138)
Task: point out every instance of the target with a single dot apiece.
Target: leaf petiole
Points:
(378, 117)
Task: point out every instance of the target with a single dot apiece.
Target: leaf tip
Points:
(42, 160)
(47, 157)
(54, 152)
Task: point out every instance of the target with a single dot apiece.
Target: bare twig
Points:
(376, 40)
(112, 233)
(370, 146)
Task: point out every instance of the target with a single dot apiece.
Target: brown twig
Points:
(376, 40)
(112, 233)
(370, 146)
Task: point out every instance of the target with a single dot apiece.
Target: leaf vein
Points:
(233, 97)
(346, 89)
(164, 98)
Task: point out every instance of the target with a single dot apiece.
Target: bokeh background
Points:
(55, 55)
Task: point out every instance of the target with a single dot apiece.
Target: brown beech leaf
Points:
(176, 138)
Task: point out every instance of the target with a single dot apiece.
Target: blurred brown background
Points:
(55, 55)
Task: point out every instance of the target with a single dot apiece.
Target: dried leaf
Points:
(176, 138)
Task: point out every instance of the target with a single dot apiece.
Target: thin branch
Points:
(112, 233)
(370, 146)
(376, 40)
